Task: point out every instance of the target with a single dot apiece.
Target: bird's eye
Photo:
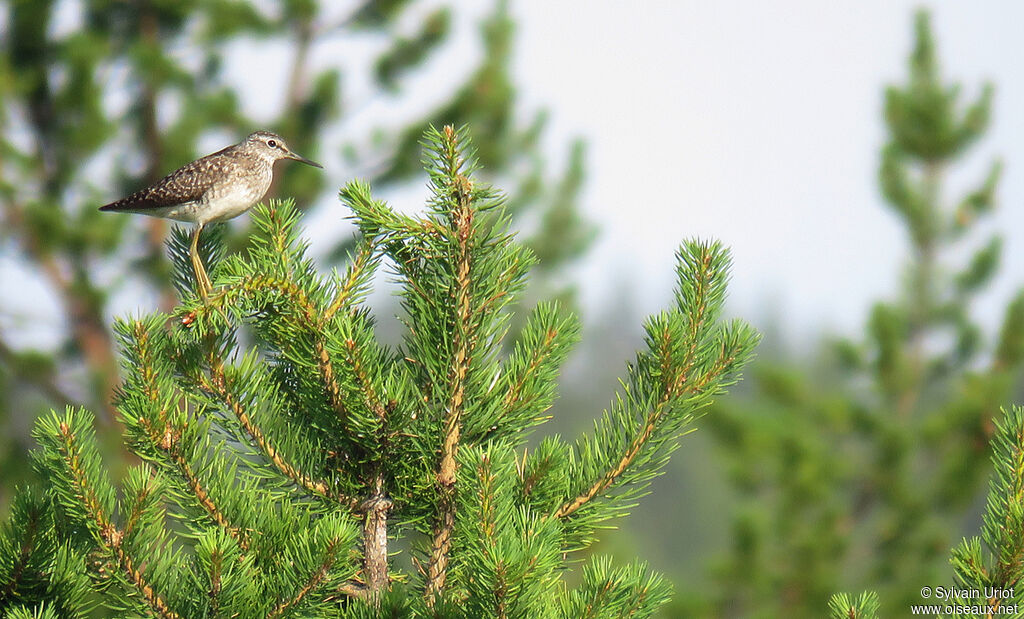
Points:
(272, 143)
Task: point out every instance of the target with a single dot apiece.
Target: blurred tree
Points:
(87, 85)
(859, 470)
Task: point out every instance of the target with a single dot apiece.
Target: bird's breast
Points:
(236, 195)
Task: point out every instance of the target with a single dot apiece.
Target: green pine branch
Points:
(285, 448)
(80, 486)
(845, 606)
(993, 564)
(1002, 567)
(35, 564)
(692, 356)
(630, 591)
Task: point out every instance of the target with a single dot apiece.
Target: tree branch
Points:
(437, 569)
(676, 383)
(355, 272)
(375, 538)
(109, 533)
(27, 544)
(609, 478)
(640, 440)
(310, 315)
(314, 581)
(218, 385)
(166, 439)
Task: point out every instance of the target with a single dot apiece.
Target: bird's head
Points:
(273, 147)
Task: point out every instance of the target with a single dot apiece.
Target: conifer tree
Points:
(135, 86)
(870, 461)
(995, 573)
(286, 452)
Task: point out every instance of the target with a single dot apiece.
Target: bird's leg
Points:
(205, 286)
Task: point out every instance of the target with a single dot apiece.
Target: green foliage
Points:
(924, 117)
(408, 53)
(845, 606)
(284, 447)
(1002, 566)
(78, 100)
(35, 565)
(40, 612)
(988, 582)
(630, 591)
(509, 559)
(868, 461)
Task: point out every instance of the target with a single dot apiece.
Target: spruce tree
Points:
(286, 452)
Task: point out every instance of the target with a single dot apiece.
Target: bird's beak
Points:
(304, 160)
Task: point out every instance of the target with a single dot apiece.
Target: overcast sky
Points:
(758, 123)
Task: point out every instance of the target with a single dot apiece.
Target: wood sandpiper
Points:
(215, 188)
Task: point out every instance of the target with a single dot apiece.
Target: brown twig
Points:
(348, 289)
(515, 391)
(375, 538)
(218, 385)
(109, 533)
(609, 477)
(166, 439)
(311, 319)
(437, 569)
(314, 581)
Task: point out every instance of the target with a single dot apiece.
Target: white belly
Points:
(219, 204)
(233, 203)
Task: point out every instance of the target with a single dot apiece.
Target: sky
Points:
(760, 124)
(756, 123)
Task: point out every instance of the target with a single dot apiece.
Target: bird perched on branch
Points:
(215, 188)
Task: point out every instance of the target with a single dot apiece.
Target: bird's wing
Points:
(187, 184)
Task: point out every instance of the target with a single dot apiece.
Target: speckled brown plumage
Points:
(217, 187)
(186, 184)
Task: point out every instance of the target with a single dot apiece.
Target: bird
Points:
(211, 189)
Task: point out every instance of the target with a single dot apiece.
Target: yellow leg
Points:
(205, 286)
